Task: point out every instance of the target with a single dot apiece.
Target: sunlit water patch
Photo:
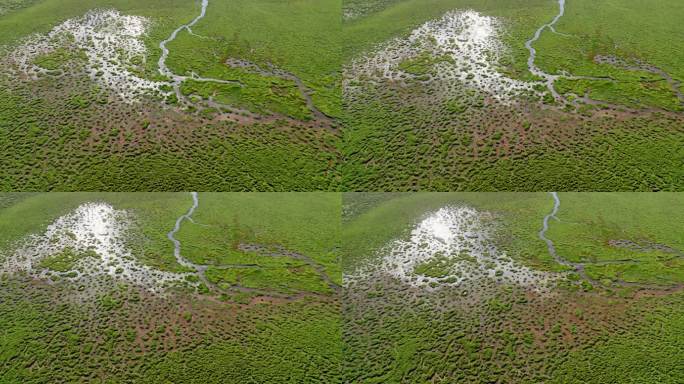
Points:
(461, 48)
(96, 232)
(452, 246)
(109, 43)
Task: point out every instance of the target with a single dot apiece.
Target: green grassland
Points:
(301, 37)
(588, 225)
(629, 29)
(286, 330)
(501, 332)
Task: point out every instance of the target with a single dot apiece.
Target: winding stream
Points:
(176, 243)
(178, 79)
(579, 267)
(199, 268)
(545, 227)
(163, 69)
(262, 250)
(550, 79)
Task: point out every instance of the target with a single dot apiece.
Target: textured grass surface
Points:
(278, 320)
(146, 340)
(136, 152)
(417, 134)
(103, 329)
(588, 226)
(631, 29)
(246, 143)
(493, 331)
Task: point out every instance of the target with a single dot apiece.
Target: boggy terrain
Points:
(122, 96)
(516, 288)
(360, 287)
(501, 95)
(157, 288)
(397, 96)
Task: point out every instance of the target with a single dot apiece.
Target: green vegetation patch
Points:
(58, 58)
(643, 93)
(259, 93)
(303, 223)
(439, 266)
(648, 353)
(291, 279)
(424, 63)
(591, 228)
(66, 259)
